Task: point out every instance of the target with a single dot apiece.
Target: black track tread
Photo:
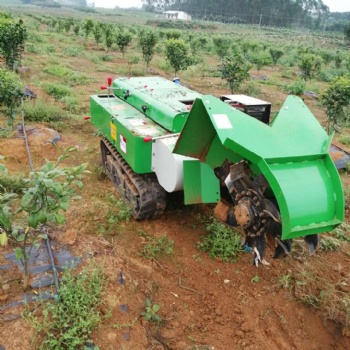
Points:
(150, 200)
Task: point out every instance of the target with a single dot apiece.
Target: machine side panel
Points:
(200, 183)
(126, 128)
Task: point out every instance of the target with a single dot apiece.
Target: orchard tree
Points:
(222, 46)
(147, 41)
(44, 199)
(347, 31)
(336, 100)
(10, 94)
(309, 64)
(76, 28)
(108, 33)
(88, 26)
(123, 40)
(12, 39)
(260, 59)
(177, 53)
(275, 54)
(234, 70)
(97, 32)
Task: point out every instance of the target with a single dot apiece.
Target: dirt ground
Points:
(205, 303)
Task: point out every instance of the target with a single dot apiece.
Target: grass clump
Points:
(221, 242)
(345, 140)
(68, 323)
(73, 51)
(57, 70)
(155, 247)
(43, 111)
(58, 91)
(12, 183)
(342, 233)
(330, 243)
(117, 215)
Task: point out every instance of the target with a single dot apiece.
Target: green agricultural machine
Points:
(269, 178)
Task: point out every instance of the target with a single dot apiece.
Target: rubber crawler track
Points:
(142, 192)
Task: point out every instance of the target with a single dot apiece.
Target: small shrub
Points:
(251, 89)
(221, 242)
(328, 74)
(296, 88)
(287, 73)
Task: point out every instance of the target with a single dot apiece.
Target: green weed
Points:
(156, 247)
(285, 281)
(67, 323)
(150, 313)
(221, 242)
(255, 279)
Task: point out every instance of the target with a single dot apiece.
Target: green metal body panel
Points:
(125, 127)
(292, 154)
(201, 185)
(166, 103)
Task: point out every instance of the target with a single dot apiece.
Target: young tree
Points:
(97, 32)
(12, 39)
(336, 100)
(177, 53)
(260, 59)
(123, 40)
(222, 46)
(234, 70)
(275, 54)
(147, 41)
(309, 65)
(108, 32)
(45, 199)
(88, 26)
(10, 94)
